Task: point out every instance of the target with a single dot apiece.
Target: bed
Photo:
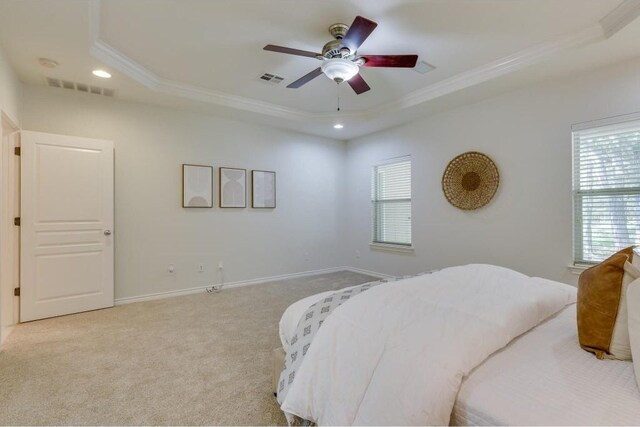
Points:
(542, 377)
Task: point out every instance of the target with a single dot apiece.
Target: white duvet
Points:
(396, 354)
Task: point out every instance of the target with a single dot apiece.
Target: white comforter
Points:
(396, 354)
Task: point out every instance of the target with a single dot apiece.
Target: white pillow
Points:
(633, 310)
(620, 347)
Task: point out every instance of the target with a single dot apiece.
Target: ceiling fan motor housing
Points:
(334, 49)
(338, 31)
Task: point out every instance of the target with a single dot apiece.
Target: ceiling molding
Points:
(114, 58)
(123, 63)
(492, 70)
(615, 21)
(232, 101)
(620, 17)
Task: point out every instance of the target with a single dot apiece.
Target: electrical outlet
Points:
(357, 254)
(171, 269)
(306, 256)
(201, 268)
(220, 265)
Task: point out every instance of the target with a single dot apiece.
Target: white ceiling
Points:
(208, 54)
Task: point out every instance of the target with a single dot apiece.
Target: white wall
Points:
(528, 226)
(152, 230)
(10, 91)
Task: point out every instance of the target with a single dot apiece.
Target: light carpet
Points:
(201, 359)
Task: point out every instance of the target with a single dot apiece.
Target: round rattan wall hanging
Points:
(470, 180)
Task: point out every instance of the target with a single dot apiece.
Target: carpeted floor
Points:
(197, 359)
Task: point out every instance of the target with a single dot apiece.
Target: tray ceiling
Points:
(210, 52)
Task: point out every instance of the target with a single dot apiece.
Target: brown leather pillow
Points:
(601, 290)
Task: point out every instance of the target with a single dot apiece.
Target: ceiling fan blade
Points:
(358, 33)
(358, 84)
(306, 78)
(401, 61)
(290, 51)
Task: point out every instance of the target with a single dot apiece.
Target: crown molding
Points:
(492, 70)
(620, 17)
(116, 59)
(615, 21)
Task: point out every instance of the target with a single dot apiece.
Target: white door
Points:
(66, 225)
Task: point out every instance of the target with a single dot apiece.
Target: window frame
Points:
(384, 245)
(579, 263)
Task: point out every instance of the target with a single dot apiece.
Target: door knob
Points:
(107, 232)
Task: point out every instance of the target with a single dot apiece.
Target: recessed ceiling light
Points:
(338, 126)
(101, 73)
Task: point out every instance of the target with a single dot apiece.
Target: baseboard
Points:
(198, 289)
(4, 332)
(368, 272)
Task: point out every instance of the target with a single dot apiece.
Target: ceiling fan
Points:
(340, 59)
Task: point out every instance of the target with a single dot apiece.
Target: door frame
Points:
(9, 233)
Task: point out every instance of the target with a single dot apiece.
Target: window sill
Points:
(578, 268)
(386, 247)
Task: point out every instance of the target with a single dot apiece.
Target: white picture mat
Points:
(233, 188)
(197, 186)
(264, 189)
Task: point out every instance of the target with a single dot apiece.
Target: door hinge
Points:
(16, 151)
(16, 221)
(16, 292)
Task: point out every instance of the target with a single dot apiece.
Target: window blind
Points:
(606, 190)
(391, 202)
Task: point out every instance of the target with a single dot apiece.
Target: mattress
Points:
(545, 378)
(541, 378)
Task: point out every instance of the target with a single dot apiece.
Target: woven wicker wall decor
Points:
(470, 180)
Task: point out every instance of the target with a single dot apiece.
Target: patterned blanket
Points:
(307, 328)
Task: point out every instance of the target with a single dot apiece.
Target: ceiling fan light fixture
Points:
(339, 70)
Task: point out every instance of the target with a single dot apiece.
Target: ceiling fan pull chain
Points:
(338, 89)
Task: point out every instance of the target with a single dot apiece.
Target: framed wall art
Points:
(197, 186)
(263, 189)
(233, 187)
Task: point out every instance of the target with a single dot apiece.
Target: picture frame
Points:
(232, 185)
(197, 186)
(263, 189)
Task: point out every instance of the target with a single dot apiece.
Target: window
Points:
(606, 190)
(391, 202)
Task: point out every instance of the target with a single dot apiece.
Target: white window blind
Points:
(391, 202)
(606, 190)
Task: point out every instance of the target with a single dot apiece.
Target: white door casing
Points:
(9, 234)
(67, 250)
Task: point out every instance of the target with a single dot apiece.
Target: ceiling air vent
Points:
(79, 87)
(271, 78)
(423, 67)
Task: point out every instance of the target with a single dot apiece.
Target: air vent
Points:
(423, 67)
(271, 78)
(79, 87)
